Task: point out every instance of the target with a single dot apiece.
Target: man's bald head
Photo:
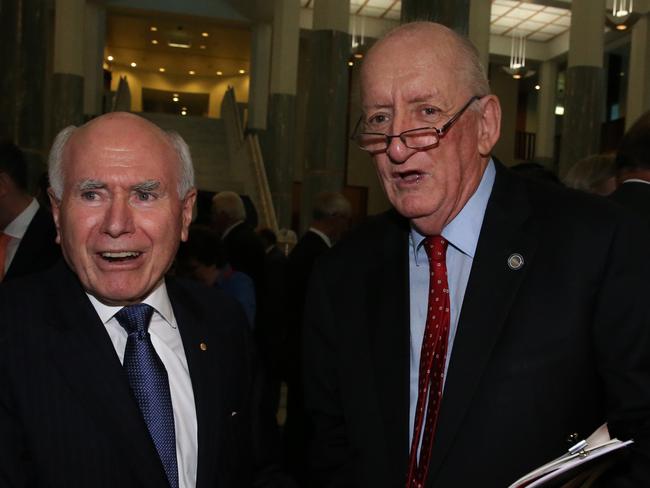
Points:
(429, 42)
(125, 128)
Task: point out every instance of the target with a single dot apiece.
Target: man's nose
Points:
(119, 217)
(397, 151)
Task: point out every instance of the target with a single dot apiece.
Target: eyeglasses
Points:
(420, 138)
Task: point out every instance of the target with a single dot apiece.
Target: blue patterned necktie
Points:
(150, 385)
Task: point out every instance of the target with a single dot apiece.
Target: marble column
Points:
(584, 106)
(452, 13)
(68, 76)
(23, 62)
(93, 57)
(479, 29)
(281, 125)
(258, 96)
(545, 137)
(326, 129)
(638, 87)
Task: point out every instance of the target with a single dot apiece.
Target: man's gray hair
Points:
(330, 204)
(230, 204)
(56, 172)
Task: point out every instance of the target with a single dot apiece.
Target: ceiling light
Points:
(154, 41)
(537, 87)
(241, 72)
(202, 46)
(183, 112)
(205, 34)
(219, 73)
(162, 70)
(181, 44)
(153, 28)
(350, 63)
(517, 68)
(358, 55)
(133, 65)
(621, 27)
(110, 58)
(192, 72)
(559, 110)
(175, 99)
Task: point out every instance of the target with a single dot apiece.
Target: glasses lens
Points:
(371, 142)
(420, 138)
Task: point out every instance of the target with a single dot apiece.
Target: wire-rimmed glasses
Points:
(419, 138)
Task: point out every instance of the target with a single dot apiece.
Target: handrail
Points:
(249, 147)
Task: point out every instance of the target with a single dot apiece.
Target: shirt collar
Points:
(229, 229)
(322, 236)
(636, 180)
(18, 226)
(463, 231)
(158, 299)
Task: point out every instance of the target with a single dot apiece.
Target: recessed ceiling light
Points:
(175, 99)
(154, 41)
(205, 34)
(183, 44)
(183, 112)
(350, 63)
(219, 73)
(192, 72)
(537, 87)
(241, 72)
(202, 46)
(153, 28)
(110, 58)
(133, 65)
(162, 70)
(358, 55)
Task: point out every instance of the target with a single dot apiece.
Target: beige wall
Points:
(215, 87)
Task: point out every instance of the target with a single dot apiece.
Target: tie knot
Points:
(436, 248)
(135, 318)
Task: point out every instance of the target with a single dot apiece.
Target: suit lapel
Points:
(388, 285)
(490, 292)
(84, 354)
(208, 357)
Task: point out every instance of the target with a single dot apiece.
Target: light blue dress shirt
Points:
(462, 233)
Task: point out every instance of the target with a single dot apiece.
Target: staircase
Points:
(224, 159)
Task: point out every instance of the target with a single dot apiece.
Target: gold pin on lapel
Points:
(203, 346)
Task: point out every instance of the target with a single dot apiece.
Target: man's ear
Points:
(489, 126)
(187, 212)
(55, 203)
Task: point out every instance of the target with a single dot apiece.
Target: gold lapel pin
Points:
(203, 346)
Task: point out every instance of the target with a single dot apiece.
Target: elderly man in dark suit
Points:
(633, 168)
(27, 236)
(112, 374)
(460, 339)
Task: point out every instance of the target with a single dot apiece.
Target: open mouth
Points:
(119, 256)
(410, 176)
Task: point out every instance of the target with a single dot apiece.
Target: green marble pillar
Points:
(22, 72)
(584, 113)
(326, 130)
(452, 13)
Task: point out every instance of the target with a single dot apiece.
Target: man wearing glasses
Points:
(485, 323)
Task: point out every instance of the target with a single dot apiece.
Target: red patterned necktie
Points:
(432, 363)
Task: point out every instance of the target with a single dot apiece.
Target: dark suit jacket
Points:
(67, 415)
(37, 250)
(554, 348)
(245, 252)
(635, 196)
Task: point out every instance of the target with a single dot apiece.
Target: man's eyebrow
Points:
(148, 185)
(86, 185)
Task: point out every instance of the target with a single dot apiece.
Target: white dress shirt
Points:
(166, 340)
(16, 230)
